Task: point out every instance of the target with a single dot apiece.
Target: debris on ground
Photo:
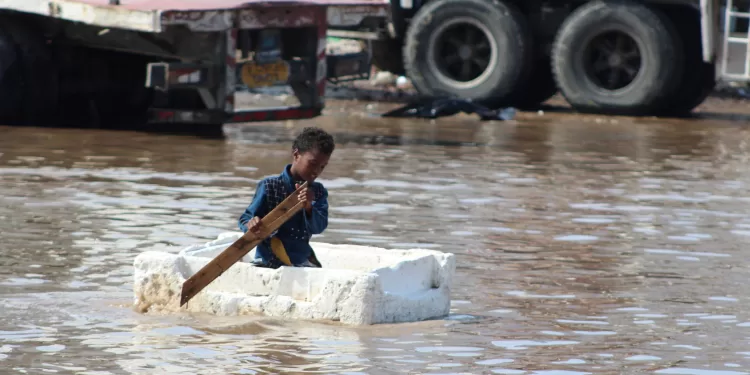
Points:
(433, 108)
(382, 86)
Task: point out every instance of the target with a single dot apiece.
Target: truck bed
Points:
(154, 15)
(203, 5)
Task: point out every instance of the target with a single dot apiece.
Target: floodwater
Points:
(585, 245)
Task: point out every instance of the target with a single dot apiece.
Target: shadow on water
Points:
(711, 115)
(271, 134)
(718, 116)
(207, 131)
(537, 138)
(416, 131)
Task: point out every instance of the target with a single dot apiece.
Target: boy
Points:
(290, 245)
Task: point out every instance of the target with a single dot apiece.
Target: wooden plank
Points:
(270, 223)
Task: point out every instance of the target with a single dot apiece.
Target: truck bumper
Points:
(206, 79)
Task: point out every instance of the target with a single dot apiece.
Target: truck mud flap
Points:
(163, 76)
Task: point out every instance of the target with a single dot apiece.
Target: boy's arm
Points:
(318, 219)
(256, 208)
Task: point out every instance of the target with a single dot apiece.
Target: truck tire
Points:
(617, 57)
(539, 87)
(698, 77)
(387, 55)
(470, 49)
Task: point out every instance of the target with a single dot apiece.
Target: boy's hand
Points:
(306, 196)
(254, 225)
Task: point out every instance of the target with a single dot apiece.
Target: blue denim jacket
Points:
(295, 234)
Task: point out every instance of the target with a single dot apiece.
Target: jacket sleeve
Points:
(256, 208)
(317, 220)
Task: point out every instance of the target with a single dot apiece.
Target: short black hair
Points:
(314, 138)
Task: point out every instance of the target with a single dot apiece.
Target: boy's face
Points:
(310, 164)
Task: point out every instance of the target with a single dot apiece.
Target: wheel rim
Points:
(613, 60)
(462, 52)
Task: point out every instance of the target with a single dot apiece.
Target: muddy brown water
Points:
(585, 245)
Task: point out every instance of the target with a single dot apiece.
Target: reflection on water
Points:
(583, 245)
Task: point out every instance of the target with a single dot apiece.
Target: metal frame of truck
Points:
(536, 67)
(193, 55)
(711, 11)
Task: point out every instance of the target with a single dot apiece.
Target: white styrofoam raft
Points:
(358, 285)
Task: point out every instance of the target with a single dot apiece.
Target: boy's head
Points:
(310, 152)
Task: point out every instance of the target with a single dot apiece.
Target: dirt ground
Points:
(725, 99)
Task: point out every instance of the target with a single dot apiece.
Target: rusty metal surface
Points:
(197, 15)
(187, 5)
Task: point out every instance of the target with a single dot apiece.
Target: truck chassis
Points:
(654, 57)
(101, 62)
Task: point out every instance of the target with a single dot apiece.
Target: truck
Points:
(629, 57)
(105, 62)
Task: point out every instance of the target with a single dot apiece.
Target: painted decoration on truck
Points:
(265, 74)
